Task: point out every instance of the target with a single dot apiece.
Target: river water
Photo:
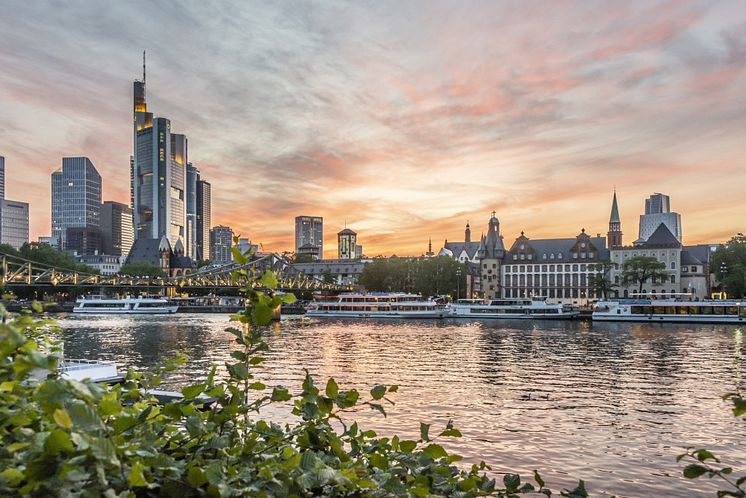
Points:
(612, 404)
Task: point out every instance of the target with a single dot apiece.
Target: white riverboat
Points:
(374, 305)
(127, 305)
(670, 310)
(522, 309)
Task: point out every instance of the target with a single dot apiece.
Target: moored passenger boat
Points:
(127, 305)
(537, 309)
(670, 310)
(393, 305)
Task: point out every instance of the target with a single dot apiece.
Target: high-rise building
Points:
(116, 228)
(221, 241)
(13, 223)
(76, 197)
(158, 174)
(2, 177)
(203, 218)
(346, 244)
(190, 240)
(309, 230)
(614, 235)
(657, 211)
(84, 240)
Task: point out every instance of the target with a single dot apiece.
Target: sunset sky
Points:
(404, 119)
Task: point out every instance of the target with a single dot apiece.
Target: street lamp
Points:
(458, 283)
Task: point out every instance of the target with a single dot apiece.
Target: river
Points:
(612, 404)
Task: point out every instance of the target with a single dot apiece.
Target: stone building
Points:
(158, 252)
(557, 269)
(491, 253)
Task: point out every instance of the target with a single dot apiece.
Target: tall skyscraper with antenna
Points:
(158, 175)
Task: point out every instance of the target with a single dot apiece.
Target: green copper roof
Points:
(614, 211)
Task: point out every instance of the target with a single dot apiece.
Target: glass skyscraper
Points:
(309, 230)
(158, 175)
(76, 197)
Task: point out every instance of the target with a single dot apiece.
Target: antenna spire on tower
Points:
(143, 66)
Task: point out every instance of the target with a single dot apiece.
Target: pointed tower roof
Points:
(614, 211)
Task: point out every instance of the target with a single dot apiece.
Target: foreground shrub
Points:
(66, 438)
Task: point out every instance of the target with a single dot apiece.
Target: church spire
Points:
(467, 232)
(614, 236)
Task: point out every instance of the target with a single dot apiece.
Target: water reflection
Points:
(609, 403)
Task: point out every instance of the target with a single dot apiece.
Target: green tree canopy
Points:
(426, 276)
(141, 269)
(638, 270)
(45, 254)
(600, 282)
(729, 265)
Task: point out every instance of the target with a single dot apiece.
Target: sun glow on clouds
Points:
(402, 119)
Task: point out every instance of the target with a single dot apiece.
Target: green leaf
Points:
(280, 394)
(703, 455)
(407, 446)
(135, 477)
(12, 476)
(739, 406)
(268, 280)
(257, 386)
(238, 371)
(289, 298)
(393, 389)
(693, 471)
(62, 418)
(196, 477)
(435, 451)
(512, 482)
(261, 314)
(538, 479)
(378, 392)
(58, 441)
(424, 431)
(331, 388)
(193, 391)
(451, 433)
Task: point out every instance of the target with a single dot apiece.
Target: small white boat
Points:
(670, 310)
(95, 370)
(127, 305)
(536, 309)
(375, 305)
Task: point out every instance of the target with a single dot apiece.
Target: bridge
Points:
(19, 272)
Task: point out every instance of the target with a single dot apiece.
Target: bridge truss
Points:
(22, 272)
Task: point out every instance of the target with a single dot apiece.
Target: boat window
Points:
(682, 310)
(637, 310)
(743, 311)
(670, 310)
(659, 310)
(732, 310)
(705, 310)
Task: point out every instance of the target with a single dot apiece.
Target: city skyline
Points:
(405, 129)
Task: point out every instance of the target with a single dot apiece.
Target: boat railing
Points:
(70, 365)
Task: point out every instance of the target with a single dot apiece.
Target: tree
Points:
(637, 270)
(600, 282)
(426, 276)
(303, 258)
(729, 265)
(141, 269)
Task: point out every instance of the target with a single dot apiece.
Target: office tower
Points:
(190, 239)
(13, 223)
(221, 241)
(116, 228)
(309, 230)
(657, 211)
(203, 219)
(2, 177)
(346, 244)
(84, 240)
(76, 197)
(158, 173)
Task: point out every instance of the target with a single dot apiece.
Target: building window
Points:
(544, 256)
(673, 279)
(515, 257)
(673, 265)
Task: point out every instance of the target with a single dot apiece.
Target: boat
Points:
(528, 308)
(674, 309)
(126, 305)
(377, 305)
(96, 370)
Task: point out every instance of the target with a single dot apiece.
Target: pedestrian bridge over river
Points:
(19, 272)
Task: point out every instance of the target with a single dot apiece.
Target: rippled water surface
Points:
(612, 404)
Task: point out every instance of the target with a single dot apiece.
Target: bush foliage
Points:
(66, 438)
